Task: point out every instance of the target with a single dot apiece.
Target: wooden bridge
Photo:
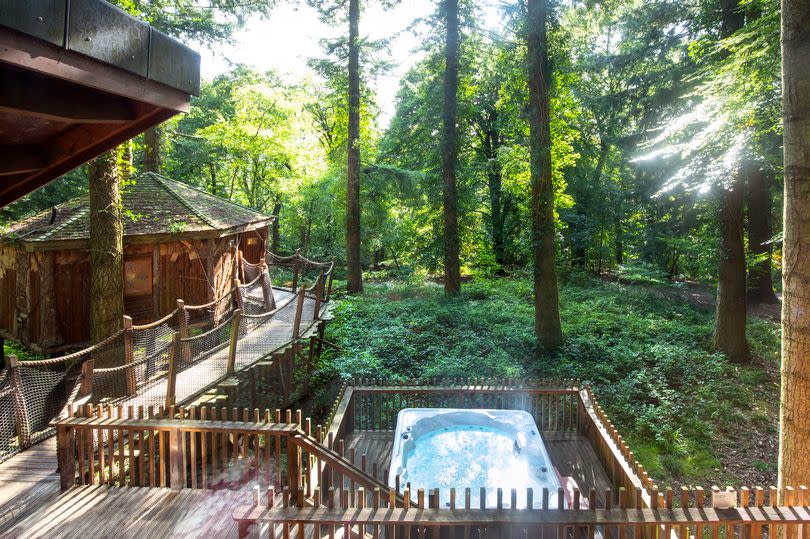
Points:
(214, 472)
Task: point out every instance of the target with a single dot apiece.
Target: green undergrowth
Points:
(648, 359)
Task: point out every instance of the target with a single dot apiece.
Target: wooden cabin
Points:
(179, 243)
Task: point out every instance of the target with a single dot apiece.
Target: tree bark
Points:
(276, 233)
(106, 253)
(760, 280)
(794, 410)
(730, 315)
(355, 272)
(546, 296)
(452, 269)
(151, 151)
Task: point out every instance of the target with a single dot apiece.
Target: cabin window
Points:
(252, 241)
(138, 277)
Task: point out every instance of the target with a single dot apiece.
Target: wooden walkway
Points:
(271, 335)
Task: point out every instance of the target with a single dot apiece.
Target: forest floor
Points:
(690, 416)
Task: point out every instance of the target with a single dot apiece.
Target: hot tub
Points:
(454, 448)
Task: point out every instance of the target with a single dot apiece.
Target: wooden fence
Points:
(556, 405)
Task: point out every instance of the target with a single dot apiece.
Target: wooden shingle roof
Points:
(155, 209)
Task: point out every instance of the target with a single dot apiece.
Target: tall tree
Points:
(151, 150)
(355, 271)
(546, 296)
(794, 411)
(452, 270)
(106, 250)
(760, 280)
(730, 314)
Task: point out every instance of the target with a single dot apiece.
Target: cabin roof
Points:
(155, 209)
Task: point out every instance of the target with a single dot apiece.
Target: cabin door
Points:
(138, 297)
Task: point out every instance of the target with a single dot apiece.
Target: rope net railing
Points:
(167, 361)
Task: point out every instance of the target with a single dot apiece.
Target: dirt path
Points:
(701, 296)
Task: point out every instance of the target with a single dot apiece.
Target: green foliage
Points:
(648, 358)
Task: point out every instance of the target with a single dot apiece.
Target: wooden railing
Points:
(727, 515)
(556, 405)
(199, 448)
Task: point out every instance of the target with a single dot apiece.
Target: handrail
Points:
(74, 355)
(156, 323)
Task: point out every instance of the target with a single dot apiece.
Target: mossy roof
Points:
(153, 206)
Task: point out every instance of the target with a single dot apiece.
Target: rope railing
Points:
(162, 362)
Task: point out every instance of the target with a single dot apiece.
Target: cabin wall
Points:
(8, 289)
(183, 274)
(71, 292)
(253, 245)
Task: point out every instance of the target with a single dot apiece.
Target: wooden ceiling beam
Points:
(36, 95)
(78, 146)
(16, 160)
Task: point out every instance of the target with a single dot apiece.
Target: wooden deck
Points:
(29, 480)
(103, 511)
(570, 453)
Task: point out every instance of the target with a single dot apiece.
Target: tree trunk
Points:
(355, 272)
(794, 410)
(546, 296)
(760, 280)
(618, 241)
(276, 237)
(730, 316)
(106, 253)
(151, 150)
(452, 270)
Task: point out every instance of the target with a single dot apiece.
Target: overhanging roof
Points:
(78, 77)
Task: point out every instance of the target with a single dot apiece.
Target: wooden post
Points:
(86, 387)
(329, 287)
(65, 458)
(182, 329)
(177, 471)
(299, 310)
(237, 317)
(296, 267)
(20, 406)
(267, 290)
(171, 375)
(129, 356)
(318, 297)
(239, 299)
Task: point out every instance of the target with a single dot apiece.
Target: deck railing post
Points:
(86, 387)
(239, 299)
(182, 329)
(296, 268)
(299, 309)
(65, 457)
(177, 475)
(129, 355)
(329, 286)
(19, 404)
(267, 292)
(237, 318)
(171, 376)
(319, 288)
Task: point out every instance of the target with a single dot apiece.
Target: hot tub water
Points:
(451, 448)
